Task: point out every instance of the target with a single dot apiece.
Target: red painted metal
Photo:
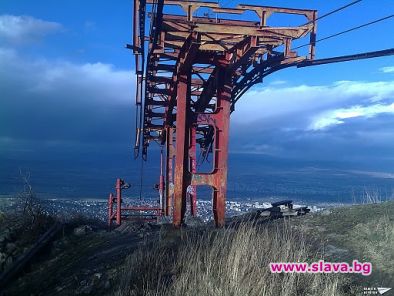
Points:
(169, 182)
(196, 69)
(110, 208)
(221, 146)
(181, 152)
(119, 214)
(191, 71)
(161, 184)
(193, 169)
(142, 208)
(118, 187)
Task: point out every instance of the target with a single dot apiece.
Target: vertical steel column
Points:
(193, 170)
(312, 40)
(224, 90)
(182, 176)
(169, 169)
(161, 183)
(110, 210)
(118, 188)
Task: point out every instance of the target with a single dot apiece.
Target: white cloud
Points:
(382, 175)
(304, 106)
(387, 69)
(56, 100)
(21, 29)
(257, 148)
(338, 116)
(92, 81)
(82, 82)
(278, 82)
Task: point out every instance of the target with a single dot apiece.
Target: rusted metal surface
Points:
(169, 181)
(196, 68)
(119, 213)
(181, 150)
(192, 190)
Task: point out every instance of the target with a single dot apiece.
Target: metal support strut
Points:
(119, 213)
(191, 71)
(196, 69)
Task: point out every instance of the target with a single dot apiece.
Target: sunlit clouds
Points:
(22, 29)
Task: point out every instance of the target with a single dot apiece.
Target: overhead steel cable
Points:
(348, 30)
(320, 17)
(334, 11)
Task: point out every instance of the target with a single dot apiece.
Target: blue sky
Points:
(66, 85)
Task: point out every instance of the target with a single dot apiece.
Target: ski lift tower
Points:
(191, 70)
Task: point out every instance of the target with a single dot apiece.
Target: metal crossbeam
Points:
(196, 69)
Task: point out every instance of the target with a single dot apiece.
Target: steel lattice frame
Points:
(196, 69)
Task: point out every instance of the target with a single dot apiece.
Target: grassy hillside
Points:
(235, 261)
(202, 260)
(227, 262)
(363, 232)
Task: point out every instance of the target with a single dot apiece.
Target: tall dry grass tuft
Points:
(371, 197)
(375, 241)
(234, 261)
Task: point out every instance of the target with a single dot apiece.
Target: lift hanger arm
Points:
(346, 58)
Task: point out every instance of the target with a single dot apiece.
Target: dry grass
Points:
(234, 261)
(375, 240)
(367, 233)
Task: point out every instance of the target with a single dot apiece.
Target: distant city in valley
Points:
(251, 177)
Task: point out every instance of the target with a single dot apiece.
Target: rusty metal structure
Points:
(117, 212)
(191, 70)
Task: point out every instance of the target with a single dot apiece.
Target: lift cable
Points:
(321, 17)
(348, 30)
(334, 11)
(346, 58)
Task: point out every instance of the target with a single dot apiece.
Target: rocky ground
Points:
(18, 232)
(84, 259)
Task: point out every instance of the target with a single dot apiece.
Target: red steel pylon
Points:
(194, 70)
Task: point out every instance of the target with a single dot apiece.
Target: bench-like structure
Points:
(118, 212)
(283, 208)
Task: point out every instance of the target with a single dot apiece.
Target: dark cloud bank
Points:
(71, 125)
